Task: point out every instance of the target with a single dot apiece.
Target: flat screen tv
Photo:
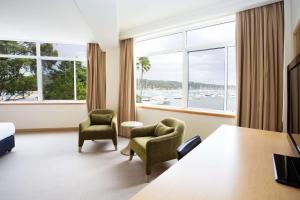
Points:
(287, 168)
(293, 90)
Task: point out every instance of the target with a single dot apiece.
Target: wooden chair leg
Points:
(131, 154)
(79, 149)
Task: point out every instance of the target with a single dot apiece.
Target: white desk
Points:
(232, 163)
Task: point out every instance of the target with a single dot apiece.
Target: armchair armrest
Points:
(84, 124)
(142, 131)
(163, 147)
(114, 124)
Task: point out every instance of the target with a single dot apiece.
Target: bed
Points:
(7, 137)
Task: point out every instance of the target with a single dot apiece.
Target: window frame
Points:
(185, 66)
(39, 73)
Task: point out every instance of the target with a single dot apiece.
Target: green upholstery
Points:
(154, 149)
(87, 131)
(162, 129)
(101, 119)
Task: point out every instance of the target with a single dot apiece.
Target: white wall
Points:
(291, 17)
(43, 116)
(195, 124)
(55, 20)
(295, 12)
(112, 78)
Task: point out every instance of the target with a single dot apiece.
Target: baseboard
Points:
(27, 130)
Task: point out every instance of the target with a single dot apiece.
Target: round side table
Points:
(129, 125)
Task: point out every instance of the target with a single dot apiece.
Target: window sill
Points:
(44, 102)
(188, 111)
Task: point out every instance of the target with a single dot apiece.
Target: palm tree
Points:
(143, 64)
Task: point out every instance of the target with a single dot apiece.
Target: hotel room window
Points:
(60, 69)
(155, 60)
(206, 79)
(211, 55)
(18, 68)
(193, 68)
(60, 64)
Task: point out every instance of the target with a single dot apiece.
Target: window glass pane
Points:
(159, 79)
(158, 44)
(231, 90)
(206, 79)
(58, 80)
(17, 48)
(63, 50)
(220, 33)
(81, 81)
(18, 81)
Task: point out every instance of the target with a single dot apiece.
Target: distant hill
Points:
(172, 85)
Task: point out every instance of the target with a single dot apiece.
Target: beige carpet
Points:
(47, 166)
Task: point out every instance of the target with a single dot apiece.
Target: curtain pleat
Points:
(126, 110)
(96, 78)
(297, 39)
(259, 47)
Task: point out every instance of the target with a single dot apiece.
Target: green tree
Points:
(81, 81)
(18, 78)
(144, 65)
(58, 80)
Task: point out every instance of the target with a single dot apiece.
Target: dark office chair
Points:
(188, 146)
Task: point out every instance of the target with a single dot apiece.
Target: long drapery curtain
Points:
(126, 90)
(297, 39)
(259, 47)
(96, 77)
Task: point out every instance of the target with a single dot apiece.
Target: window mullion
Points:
(39, 72)
(75, 91)
(226, 78)
(185, 81)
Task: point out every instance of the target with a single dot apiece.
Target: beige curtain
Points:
(297, 39)
(126, 89)
(259, 47)
(96, 77)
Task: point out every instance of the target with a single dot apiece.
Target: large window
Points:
(33, 71)
(193, 68)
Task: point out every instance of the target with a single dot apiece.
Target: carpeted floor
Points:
(47, 166)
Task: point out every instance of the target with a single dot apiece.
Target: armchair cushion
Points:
(162, 129)
(101, 119)
(98, 128)
(139, 145)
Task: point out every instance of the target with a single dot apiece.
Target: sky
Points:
(71, 50)
(206, 66)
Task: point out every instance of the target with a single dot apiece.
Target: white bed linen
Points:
(6, 129)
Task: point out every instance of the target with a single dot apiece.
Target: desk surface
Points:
(232, 163)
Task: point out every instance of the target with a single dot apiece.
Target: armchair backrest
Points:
(101, 111)
(177, 124)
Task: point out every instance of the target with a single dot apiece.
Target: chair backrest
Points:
(101, 111)
(188, 146)
(177, 124)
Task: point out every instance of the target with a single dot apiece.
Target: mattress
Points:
(6, 129)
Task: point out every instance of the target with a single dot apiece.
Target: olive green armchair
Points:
(156, 143)
(100, 124)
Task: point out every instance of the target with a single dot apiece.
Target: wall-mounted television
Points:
(293, 91)
(287, 168)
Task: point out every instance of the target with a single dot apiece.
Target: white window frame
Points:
(39, 71)
(185, 65)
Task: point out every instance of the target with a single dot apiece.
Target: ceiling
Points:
(103, 20)
(135, 13)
